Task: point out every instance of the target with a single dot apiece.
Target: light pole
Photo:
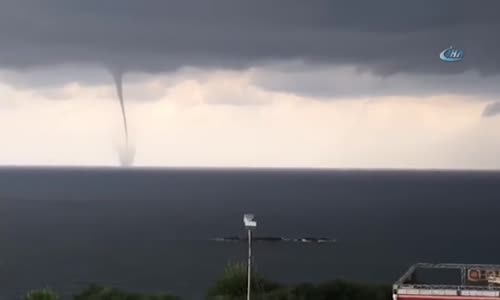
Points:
(250, 224)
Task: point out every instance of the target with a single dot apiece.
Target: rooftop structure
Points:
(448, 282)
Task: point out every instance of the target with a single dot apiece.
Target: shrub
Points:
(95, 292)
(343, 290)
(45, 294)
(233, 283)
(233, 286)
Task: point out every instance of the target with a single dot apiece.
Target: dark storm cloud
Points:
(159, 35)
(348, 82)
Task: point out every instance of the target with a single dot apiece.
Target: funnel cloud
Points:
(127, 152)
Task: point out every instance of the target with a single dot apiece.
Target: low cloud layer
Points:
(342, 82)
(344, 49)
(385, 37)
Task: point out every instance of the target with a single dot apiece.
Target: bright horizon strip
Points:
(226, 121)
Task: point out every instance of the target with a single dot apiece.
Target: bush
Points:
(45, 294)
(95, 292)
(341, 290)
(233, 284)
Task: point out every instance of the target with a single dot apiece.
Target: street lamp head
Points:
(248, 220)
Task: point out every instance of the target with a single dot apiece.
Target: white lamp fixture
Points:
(250, 223)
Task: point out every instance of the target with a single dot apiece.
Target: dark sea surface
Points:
(150, 229)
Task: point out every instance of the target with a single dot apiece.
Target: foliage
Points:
(232, 286)
(44, 294)
(233, 283)
(95, 292)
(343, 290)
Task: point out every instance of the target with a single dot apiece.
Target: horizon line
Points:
(246, 168)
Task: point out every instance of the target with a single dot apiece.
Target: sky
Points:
(219, 83)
